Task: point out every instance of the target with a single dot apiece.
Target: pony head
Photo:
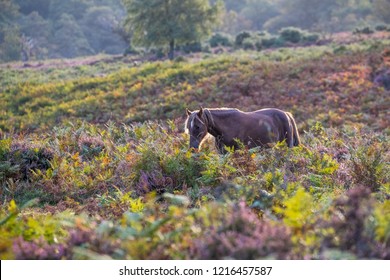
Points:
(196, 127)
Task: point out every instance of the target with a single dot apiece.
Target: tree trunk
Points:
(171, 53)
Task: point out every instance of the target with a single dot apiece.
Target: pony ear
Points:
(188, 112)
(200, 112)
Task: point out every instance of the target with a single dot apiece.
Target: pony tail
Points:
(296, 141)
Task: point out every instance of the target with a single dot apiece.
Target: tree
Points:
(75, 8)
(170, 22)
(10, 47)
(39, 6)
(69, 39)
(35, 31)
(8, 13)
(99, 25)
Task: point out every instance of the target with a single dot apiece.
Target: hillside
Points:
(94, 162)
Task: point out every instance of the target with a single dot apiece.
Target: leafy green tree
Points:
(39, 6)
(170, 22)
(36, 32)
(76, 8)
(69, 39)
(99, 25)
(10, 47)
(8, 13)
(234, 5)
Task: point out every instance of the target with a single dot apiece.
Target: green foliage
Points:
(32, 30)
(363, 30)
(189, 21)
(369, 165)
(66, 28)
(10, 46)
(291, 34)
(220, 39)
(299, 210)
(382, 222)
(240, 37)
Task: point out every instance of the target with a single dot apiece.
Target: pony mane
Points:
(207, 117)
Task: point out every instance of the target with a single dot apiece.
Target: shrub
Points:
(369, 166)
(310, 37)
(38, 250)
(364, 30)
(350, 221)
(243, 236)
(291, 34)
(272, 42)
(191, 47)
(90, 146)
(240, 37)
(249, 43)
(28, 156)
(131, 50)
(180, 59)
(382, 27)
(220, 39)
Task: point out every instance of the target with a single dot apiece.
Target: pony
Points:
(232, 128)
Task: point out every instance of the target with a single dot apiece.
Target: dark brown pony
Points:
(253, 129)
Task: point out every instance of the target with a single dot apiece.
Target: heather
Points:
(94, 161)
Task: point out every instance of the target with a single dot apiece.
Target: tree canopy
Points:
(170, 22)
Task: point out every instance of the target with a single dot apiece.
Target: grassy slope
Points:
(337, 87)
(134, 191)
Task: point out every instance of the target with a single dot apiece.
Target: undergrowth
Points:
(137, 192)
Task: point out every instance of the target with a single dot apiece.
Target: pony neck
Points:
(209, 119)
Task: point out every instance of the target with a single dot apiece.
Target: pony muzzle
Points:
(194, 146)
(194, 150)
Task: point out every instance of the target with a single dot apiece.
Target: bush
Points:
(364, 30)
(382, 27)
(350, 221)
(26, 157)
(272, 42)
(241, 37)
(220, 39)
(180, 58)
(191, 47)
(310, 37)
(131, 50)
(243, 236)
(291, 34)
(369, 166)
(249, 43)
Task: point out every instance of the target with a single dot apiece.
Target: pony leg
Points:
(220, 145)
(295, 140)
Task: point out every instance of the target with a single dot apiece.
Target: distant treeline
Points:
(40, 29)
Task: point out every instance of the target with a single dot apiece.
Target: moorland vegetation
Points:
(94, 161)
